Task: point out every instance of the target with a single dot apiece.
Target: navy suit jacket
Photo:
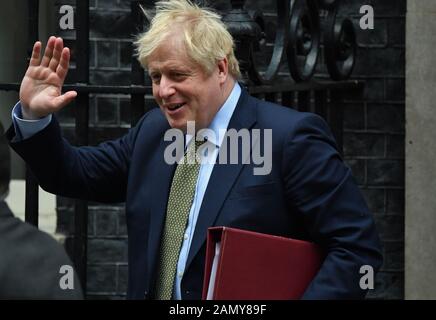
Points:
(309, 194)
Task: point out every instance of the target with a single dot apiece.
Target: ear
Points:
(223, 70)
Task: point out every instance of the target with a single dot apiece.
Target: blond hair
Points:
(205, 36)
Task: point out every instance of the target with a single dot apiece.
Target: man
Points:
(307, 193)
(32, 264)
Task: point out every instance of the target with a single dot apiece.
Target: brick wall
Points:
(374, 128)
(373, 135)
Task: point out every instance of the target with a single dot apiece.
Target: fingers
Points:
(36, 53)
(57, 52)
(64, 63)
(56, 57)
(48, 53)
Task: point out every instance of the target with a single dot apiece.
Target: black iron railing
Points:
(301, 24)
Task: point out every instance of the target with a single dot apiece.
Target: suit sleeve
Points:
(320, 188)
(91, 173)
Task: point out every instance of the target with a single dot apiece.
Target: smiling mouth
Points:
(175, 107)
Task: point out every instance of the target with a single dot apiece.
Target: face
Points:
(183, 91)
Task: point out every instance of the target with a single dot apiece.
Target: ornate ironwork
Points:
(245, 32)
(340, 46)
(280, 42)
(304, 38)
(297, 36)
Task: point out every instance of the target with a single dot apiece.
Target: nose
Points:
(166, 88)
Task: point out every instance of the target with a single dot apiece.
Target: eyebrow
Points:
(171, 69)
(172, 66)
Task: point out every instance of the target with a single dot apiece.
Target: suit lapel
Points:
(222, 178)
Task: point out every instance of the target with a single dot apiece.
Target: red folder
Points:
(256, 266)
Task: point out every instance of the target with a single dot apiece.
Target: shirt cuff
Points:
(25, 129)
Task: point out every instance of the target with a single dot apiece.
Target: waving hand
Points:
(41, 88)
